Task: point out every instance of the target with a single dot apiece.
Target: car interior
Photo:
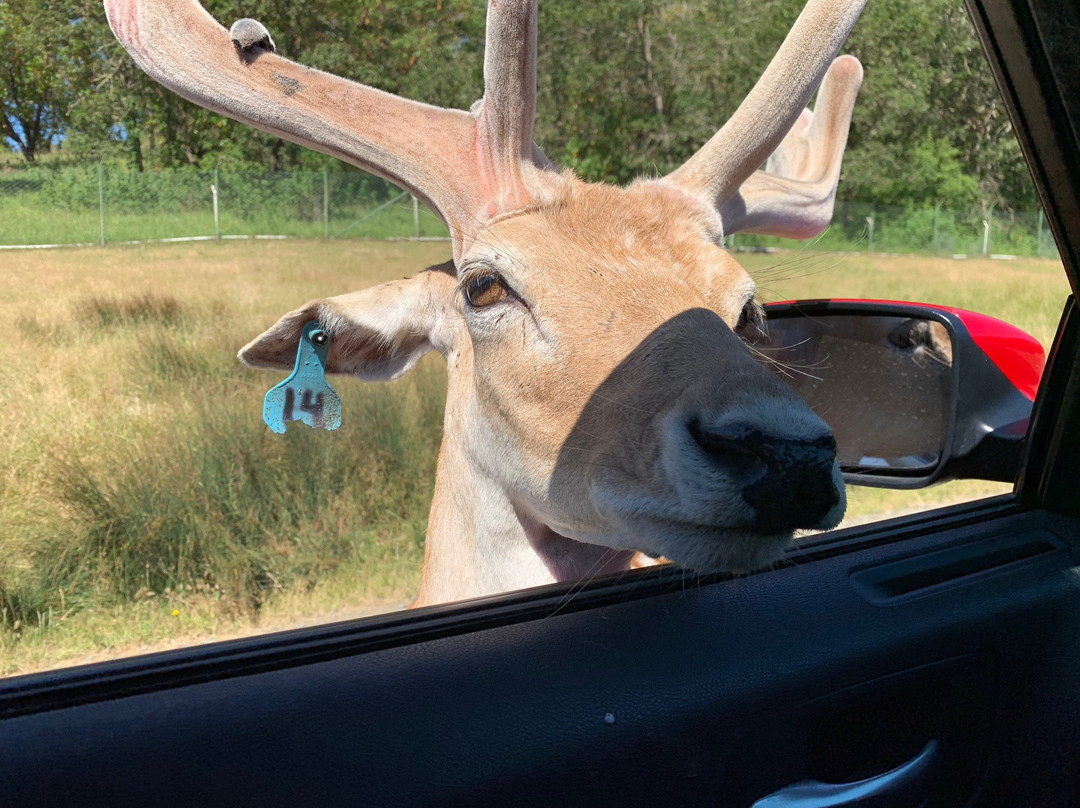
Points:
(926, 660)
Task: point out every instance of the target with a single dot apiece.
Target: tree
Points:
(414, 48)
(929, 125)
(625, 87)
(41, 65)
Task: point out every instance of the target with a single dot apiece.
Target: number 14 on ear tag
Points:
(305, 395)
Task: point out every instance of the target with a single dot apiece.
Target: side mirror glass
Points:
(915, 394)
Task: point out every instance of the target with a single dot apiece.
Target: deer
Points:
(601, 400)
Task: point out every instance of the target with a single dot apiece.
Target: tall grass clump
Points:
(207, 498)
(132, 310)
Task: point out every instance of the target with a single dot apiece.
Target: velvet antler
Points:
(468, 167)
(773, 120)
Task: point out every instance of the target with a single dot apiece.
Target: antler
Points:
(793, 197)
(772, 108)
(466, 167)
(506, 113)
(470, 168)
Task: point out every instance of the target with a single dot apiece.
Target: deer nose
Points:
(787, 481)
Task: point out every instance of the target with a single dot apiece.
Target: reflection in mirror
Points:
(883, 383)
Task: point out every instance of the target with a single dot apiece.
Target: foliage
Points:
(401, 47)
(43, 60)
(624, 87)
(929, 125)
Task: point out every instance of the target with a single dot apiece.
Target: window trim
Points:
(103, 681)
(1009, 39)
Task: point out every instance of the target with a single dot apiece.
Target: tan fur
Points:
(579, 390)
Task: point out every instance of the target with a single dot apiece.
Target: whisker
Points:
(583, 581)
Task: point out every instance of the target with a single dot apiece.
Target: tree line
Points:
(624, 88)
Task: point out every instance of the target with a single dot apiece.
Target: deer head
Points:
(600, 399)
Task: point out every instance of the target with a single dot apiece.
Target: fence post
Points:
(1038, 243)
(986, 236)
(214, 193)
(101, 201)
(416, 217)
(937, 211)
(326, 203)
(870, 229)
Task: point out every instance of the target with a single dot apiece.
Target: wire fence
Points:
(102, 205)
(99, 205)
(932, 230)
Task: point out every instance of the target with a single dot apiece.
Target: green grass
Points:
(25, 223)
(67, 205)
(926, 231)
(144, 503)
(58, 202)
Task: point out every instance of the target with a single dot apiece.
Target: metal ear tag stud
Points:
(305, 395)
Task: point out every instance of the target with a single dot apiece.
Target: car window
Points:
(146, 504)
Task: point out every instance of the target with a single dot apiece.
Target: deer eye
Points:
(485, 289)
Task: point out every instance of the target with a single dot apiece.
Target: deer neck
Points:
(479, 540)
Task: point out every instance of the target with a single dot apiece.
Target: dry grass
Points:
(145, 505)
(1030, 294)
(136, 469)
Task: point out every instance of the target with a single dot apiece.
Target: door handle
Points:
(903, 787)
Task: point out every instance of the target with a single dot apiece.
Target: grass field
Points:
(73, 205)
(143, 502)
(24, 224)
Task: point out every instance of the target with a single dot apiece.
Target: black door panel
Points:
(716, 693)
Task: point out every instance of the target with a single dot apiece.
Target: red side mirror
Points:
(915, 393)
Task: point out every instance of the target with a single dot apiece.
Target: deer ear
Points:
(377, 334)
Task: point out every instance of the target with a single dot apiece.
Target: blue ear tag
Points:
(305, 395)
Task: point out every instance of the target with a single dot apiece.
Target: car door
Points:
(929, 660)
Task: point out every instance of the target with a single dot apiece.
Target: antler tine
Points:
(773, 106)
(506, 113)
(794, 196)
(415, 146)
